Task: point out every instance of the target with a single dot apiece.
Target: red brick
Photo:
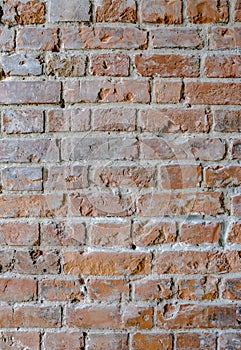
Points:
(153, 232)
(7, 261)
(222, 176)
(29, 92)
(61, 233)
(167, 91)
(167, 65)
(100, 91)
(234, 234)
(116, 65)
(176, 38)
(107, 263)
(180, 176)
(226, 120)
(237, 11)
(37, 262)
(59, 120)
(114, 119)
(110, 234)
(152, 341)
(22, 121)
(161, 11)
(153, 289)
(109, 290)
(137, 317)
(231, 289)
(23, 12)
(45, 39)
(205, 288)
(200, 232)
(6, 39)
(207, 11)
(103, 38)
(236, 205)
(223, 66)
(196, 341)
(65, 64)
(173, 120)
(225, 38)
(30, 317)
(26, 340)
(64, 340)
(17, 290)
(19, 234)
(64, 10)
(224, 93)
(230, 341)
(22, 178)
(112, 341)
(236, 149)
(66, 177)
(61, 290)
(196, 262)
(115, 11)
(198, 316)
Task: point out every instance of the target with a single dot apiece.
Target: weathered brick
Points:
(64, 340)
(65, 64)
(176, 37)
(234, 233)
(6, 261)
(153, 289)
(107, 263)
(116, 65)
(230, 341)
(114, 119)
(61, 290)
(207, 11)
(205, 288)
(19, 234)
(68, 11)
(34, 38)
(37, 262)
(222, 176)
(237, 11)
(23, 12)
(137, 317)
(76, 119)
(225, 38)
(167, 91)
(223, 66)
(109, 290)
(236, 205)
(22, 121)
(226, 120)
(26, 340)
(115, 11)
(167, 65)
(100, 91)
(161, 11)
(22, 178)
(66, 177)
(21, 64)
(17, 290)
(103, 38)
(196, 341)
(236, 149)
(6, 39)
(107, 341)
(60, 233)
(200, 232)
(180, 176)
(152, 341)
(231, 289)
(29, 92)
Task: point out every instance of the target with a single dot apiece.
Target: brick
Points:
(66, 11)
(222, 176)
(103, 38)
(196, 341)
(60, 233)
(64, 340)
(23, 12)
(107, 263)
(137, 317)
(66, 177)
(223, 66)
(45, 39)
(176, 38)
(231, 289)
(236, 149)
(225, 38)
(17, 290)
(27, 340)
(152, 341)
(22, 179)
(21, 64)
(39, 205)
(109, 290)
(124, 176)
(237, 11)
(37, 262)
(227, 120)
(213, 93)
(230, 341)
(205, 288)
(106, 341)
(153, 232)
(61, 290)
(234, 233)
(110, 234)
(115, 11)
(101, 204)
(100, 91)
(236, 205)
(7, 261)
(30, 317)
(65, 65)
(19, 234)
(61, 120)
(6, 39)
(161, 11)
(153, 289)
(114, 119)
(29, 92)
(167, 91)
(167, 65)
(28, 150)
(198, 316)
(196, 262)
(200, 232)
(207, 11)
(180, 176)
(99, 147)
(116, 65)
(22, 121)
(173, 120)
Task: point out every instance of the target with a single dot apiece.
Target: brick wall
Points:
(120, 149)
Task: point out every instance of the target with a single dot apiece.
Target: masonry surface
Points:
(120, 150)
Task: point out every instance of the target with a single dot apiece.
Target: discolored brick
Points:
(161, 12)
(115, 11)
(22, 121)
(116, 65)
(207, 11)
